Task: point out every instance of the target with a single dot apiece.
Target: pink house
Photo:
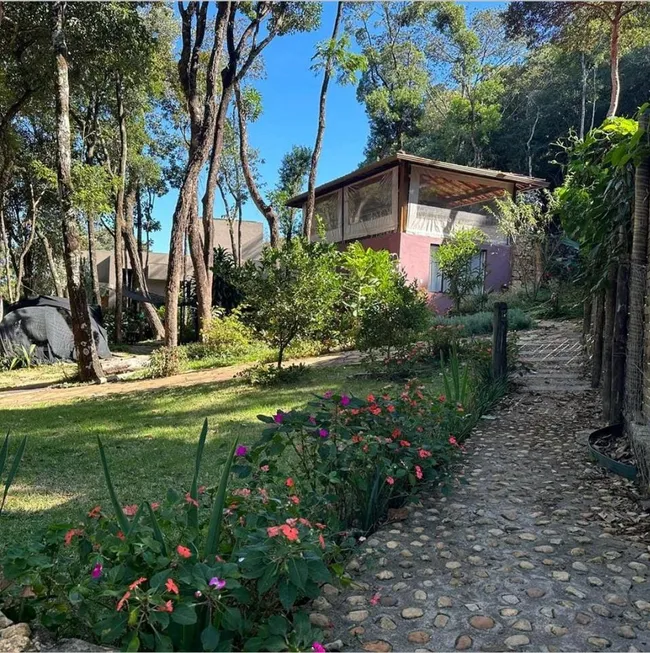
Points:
(407, 205)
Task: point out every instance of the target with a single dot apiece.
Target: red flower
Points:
(442, 399)
(294, 499)
(390, 480)
(396, 433)
(371, 399)
(183, 551)
(120, 536)
(290, 533)
(95, 512)
(404, 443)
(452, 441)
(171, 586)
(129, 511)
(418, 472)
(73, 532)
(375, 598)
(273, 531)
(123, 600)
(390, 408)
(375, 410)
(135, 583)
(190, 500)
(168, 607)
(357, 438)
(423, 453)
(321, 539)
(289, 482)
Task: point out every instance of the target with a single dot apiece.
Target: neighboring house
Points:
(155, 265)
(407, 205)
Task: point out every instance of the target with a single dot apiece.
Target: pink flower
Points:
(404, 443)
(264, 468)
(375, 598)
(183, 551)
(279, 416)
(137, 583)
(191, 501)
(418, 472)
(167, 607)
(129, 511)
(423, 453)
(390, 480)
(273, 531)
(323, 433)
(452, 441)
(345, 400)
(328, 394)
(155, 505)
(242, 492)
(442, 399)
(123, 600)
(317, 647)
(312, 419)
(321, 540)
(290, 533)
(171, 586)
(370, 399)
(73, 532)
(217, 582)
(97, 570)
(241, 450)
(289, 482)
(294, 499)
(95, 512)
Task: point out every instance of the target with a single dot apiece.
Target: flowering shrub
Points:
(352, 459)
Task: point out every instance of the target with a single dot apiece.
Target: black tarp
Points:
(46, 322)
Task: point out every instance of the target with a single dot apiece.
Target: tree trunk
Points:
(597, 327)
(614, 61)
(203, 290)
(318, 145)
(638, 272)
(87, 360)
(587, 310)
(92, 259)
(119, 212)
(583, 103)
(619, 338)
(608, 335)
(594, 98)
(139, 226)
(265, 209)
(51, 263)
(136, 265)
(33, 208)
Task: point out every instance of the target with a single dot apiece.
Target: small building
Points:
(156, 265)
(407, 205)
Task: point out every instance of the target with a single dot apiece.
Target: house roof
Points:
(521, 182)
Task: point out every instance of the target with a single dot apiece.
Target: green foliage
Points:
(291, 292)
(454, 258)
(478, 324)
(166, 361)
(20, 357)
(13, 470)
(271, 375)
(227, 335)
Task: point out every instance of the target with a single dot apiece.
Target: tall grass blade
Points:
(216, 519)
(135, 520)
(119, 513)
(4, 452)
(193, 515)
(157, 533)
(445, 378)
(13, 470)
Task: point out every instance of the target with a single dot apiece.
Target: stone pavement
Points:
(533, 549)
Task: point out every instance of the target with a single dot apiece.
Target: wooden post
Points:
(499, 341)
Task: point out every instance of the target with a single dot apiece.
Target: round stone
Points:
(398, 587)
(508, 612)
(356, 599)
(577, 551)
(357, 616)
(378, 645)
(453, 565)
(558, 631)
(481, 622)
(463, 642)
(599, 642)
(319, 604)
(582, 618)
(319, 620)
(441, 620)
(627, 632)
(644, 606)
(545, 548)
(330, 590)
(420, 595)
(386, 623)
(535, 592)
(524, 564)
(575, 592)
(579, 566)
(510, 599)
(523, 624)
(385, 574)
(615, 599)
(515, 641)
(412, 613)
(595, 581)
(388, 601)
(561, 576)
(392, 544)
(444, 602)
(419, 637)
(601, 610)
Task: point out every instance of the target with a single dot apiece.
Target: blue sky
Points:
(290, 99)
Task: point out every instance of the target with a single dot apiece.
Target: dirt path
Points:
(533, 552)
(22, 397)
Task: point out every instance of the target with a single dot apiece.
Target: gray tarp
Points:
(46, 323)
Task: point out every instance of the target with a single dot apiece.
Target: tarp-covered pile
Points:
(46, 323)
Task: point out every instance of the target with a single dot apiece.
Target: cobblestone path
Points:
(529, 551)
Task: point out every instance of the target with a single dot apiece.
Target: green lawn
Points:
(150, 441)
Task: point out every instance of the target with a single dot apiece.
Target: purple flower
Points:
(312, 419)
(279, 416)
(241, 450)
(97, 570)
(323, 433)
(328, 394)
(217, 582)
(345, 400)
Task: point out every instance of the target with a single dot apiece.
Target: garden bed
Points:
(611, 448)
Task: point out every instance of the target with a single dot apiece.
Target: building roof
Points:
(521, 182)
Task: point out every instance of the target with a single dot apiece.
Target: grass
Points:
(150, 439)
(39, 374)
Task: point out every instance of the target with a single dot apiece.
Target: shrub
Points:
(269, 375)
(481, 323)
(166, 361)
(227, 334)
(291, 292)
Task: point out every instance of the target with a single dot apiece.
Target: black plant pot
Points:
(622, 469)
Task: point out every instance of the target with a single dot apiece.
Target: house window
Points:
(437, 283)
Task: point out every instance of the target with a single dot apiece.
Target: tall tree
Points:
(88, 362)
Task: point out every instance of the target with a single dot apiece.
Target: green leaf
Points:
(13, 470)
(254, 644)
(163, 643)
(232, 619)
(278, 625)
(4, 453)
(157, 580)
(193, 513)
(184, 614)
(157, 533)
(119, 513)
(136, 519)
(275, 644)
(210, 638)
(134, 643)
(216, 519)
(287, 593)
(298, 572)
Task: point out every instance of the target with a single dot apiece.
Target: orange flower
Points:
(171, 586)
(289, 482)
(129, 511)
(120, 536)
(290, 533)
(321, 539)
(273, 531)
(190, 500)
(371, 399)
(322, 527)
(423, 453)
(404, 443)
(168, 607)
(123, 600)
(95, 512)
(396, 433)
(135, 583)
(73, 532)
(183, 551)
(357, 438)
(304, 522)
